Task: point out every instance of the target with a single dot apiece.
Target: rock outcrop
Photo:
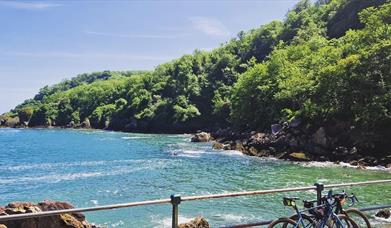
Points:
(74, 220)
(385, 213)
(303, 142)
(201, 137)
(198, 222)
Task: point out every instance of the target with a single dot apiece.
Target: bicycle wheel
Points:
(358, 217)
(283, 223)
(346, 222)
(308, 221)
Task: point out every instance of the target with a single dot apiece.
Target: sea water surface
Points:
(89, 168)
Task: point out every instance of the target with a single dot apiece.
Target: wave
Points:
(45, 166)
(135, 137)
(341, 164)
(166, 222)
(231, 217)
(59, 177)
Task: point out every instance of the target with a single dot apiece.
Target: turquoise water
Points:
(89, 168)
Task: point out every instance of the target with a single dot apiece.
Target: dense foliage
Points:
(321, 64)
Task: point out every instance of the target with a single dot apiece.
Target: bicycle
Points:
(340, 199)
(302, 220)
(356, 215)
(324, 216)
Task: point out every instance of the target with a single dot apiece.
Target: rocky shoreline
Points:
(74, 220)
(290, 142)
(295, 141)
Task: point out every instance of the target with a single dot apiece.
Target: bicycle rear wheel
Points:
(346, 222)
(283, 223)
(358, 217)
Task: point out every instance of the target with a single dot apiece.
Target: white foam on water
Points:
(230, 218)
(119, 223)
(95, 202)
(70, 164)
(193, 152)
(58, 177)
(230, 152)
(381, 221)
(341, 164)
(134, 137)
(166, 222)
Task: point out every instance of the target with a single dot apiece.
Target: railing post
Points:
(319, 189)
(175, 201)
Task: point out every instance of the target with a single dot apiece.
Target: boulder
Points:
(86, 123)
(201, 137)
(74, 220)
(385, 213)
(298, 156)
(217, 146)
(198, 222)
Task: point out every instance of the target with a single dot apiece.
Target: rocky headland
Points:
(300, 142)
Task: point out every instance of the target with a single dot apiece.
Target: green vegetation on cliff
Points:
(326, 63)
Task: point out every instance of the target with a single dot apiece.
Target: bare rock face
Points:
(198, 222)
(201, 137)
(319, 137)
(75, 220)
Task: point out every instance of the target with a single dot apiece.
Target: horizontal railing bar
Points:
(187, 198)
(250, 193)
(375, 208)
(357, 183)
(86, 209)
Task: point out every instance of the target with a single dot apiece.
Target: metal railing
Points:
(175, 200)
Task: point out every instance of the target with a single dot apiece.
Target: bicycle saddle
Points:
(290, 201)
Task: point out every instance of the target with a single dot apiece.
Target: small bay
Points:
(89, 168)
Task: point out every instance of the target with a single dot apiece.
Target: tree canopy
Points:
(327, 61)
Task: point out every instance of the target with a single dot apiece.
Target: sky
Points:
(45, 42)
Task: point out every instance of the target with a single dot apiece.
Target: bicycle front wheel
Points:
(283, 223)
(358, 217)
(342, 222)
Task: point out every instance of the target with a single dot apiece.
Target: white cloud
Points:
(142, 36)
(209, 26)
(72, 55)
(28, 5)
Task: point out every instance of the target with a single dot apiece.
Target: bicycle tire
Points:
(310, 222)
(282, 222)
(350, 223)
(358, 213)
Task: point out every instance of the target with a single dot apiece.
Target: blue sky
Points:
(44, 42)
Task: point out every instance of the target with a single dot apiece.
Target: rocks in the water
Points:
(198, 222)
(319, 143)
(74, 220)
(218, 146)
(201, 137)
(298, 156)
(384, 213)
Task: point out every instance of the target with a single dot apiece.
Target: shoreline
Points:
(217, 142)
